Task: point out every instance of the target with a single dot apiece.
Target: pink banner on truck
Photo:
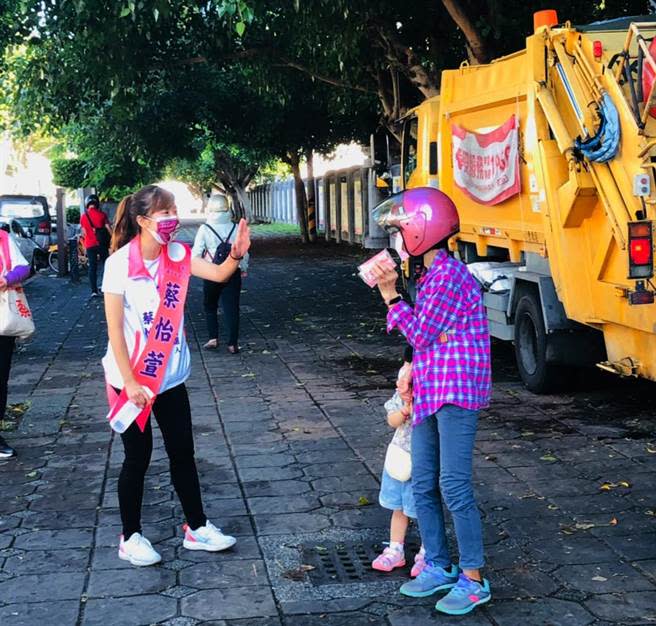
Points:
(486, 165)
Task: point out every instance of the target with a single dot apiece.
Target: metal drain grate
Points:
(344, 563)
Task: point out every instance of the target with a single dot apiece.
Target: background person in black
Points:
(219, 228)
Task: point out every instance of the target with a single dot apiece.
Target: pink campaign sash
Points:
(149, 366)
(5, 262)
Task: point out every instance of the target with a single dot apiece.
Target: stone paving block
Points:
(603, 578)
(338, 619)
(627, 608)
(373, 517)
(320, 607)
(129, 611)
(341, 469)
(264, 460)
(247, 449)
(54, 539)
(524, 580)
(42, 587)
(566, 550)
(276, 488)
(218, 508)
(231, 603)
(220, 573)
(284, 504)
(51, 612)
(428, 616)
(285, 524)
(129, 582)
(647, 567)
(211, 489)
(635, 547)
(610, 503)
(9, 522)
(545, 611)
(45, 561)
(272, 473)
(255, 621)
(349, 499)
(351, 483)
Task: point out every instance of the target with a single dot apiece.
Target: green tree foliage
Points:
(69, 173)
(133, 85)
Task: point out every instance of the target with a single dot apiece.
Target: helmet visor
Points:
(392, 216)
(390, 213)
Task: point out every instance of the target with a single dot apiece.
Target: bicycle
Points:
(82, 259)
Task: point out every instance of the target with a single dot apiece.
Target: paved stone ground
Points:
(290, 438)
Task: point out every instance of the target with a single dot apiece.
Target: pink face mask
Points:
(166, 228)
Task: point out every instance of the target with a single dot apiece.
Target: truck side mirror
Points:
(379, 145)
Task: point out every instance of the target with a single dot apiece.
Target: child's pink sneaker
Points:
(390, 559)
(420, 563)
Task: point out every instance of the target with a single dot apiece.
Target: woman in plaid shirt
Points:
(451, 382)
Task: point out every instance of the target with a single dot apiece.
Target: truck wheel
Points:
(538, 375)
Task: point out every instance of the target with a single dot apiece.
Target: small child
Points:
(396, 494)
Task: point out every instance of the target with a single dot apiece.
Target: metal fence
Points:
(344, 199)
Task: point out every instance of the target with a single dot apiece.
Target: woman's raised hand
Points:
(242, 241)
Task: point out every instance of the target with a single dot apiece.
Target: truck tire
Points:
(538, 375)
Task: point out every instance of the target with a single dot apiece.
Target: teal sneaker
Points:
(432, 578)
(465, 596)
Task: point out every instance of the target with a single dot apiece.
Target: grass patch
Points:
(276, 229)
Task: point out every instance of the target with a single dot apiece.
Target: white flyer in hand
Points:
(383, 258)
(123, 418)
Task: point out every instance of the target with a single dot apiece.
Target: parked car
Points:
(34, 255)
(32, 213)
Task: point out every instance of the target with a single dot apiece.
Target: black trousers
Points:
(6, 352)
(229, 294)
(95, 255)
(173, 415)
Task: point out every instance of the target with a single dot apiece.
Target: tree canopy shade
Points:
(395, 49)
(218, 88)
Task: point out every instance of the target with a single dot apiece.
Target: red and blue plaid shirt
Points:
(449, 333)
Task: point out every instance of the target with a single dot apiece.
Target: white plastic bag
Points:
(15, 314)
(398, 463)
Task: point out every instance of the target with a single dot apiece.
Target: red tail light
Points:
(597, 49)
(43, 228)
(641, 250)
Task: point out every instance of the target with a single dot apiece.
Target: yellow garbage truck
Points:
(549, 155)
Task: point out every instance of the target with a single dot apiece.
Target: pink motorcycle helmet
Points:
(423, 216)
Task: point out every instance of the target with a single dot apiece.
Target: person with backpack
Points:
(96, 236)
(213, 242)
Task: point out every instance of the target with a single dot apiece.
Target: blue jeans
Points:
(442, 452)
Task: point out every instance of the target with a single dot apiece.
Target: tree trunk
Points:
(245, 202)
(301, 198)
(234, 201)
(311, 197)
(478, 50)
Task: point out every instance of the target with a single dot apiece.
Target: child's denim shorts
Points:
(397, 496)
